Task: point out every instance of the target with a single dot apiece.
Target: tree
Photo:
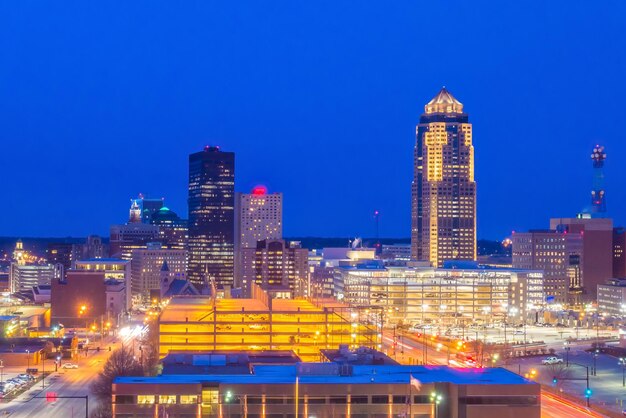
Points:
(149, 355)
(103, 410)
(121, 363)
(558, 371)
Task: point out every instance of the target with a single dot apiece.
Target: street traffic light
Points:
(554, 380)
(587, 393)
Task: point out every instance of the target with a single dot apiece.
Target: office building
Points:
(126, 238)
(597, 264)
(115, 270)
(559, 255)
(612, 297)
(172, 229)
(23, 277)
(94, 248)
(79, 300)
(258, 217)
(242, 384)
(260, 323)
(443, 221)
(396, 254)
(456, 296)
(63, 253)
(211, 217)
(146, 266)
(277, 266)
(619, 252)
(322, 267)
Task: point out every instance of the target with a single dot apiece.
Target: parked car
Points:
(552, 360)
(69, 366)
(25, 376)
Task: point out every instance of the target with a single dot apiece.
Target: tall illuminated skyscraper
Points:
(443, 216)
(258, 217)
(211, 216)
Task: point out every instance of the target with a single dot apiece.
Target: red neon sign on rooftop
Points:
(259, 190)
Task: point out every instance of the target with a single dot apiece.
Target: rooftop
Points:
(322, 373)
(197, 307)
(444, 102)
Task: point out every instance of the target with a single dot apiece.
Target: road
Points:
(65, 382)
(557, 407)
(409, 350)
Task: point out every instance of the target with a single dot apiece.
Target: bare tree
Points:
(149, 356)
(557, 371)
(121, 363)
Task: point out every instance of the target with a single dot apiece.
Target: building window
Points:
(124, 399)
(188, 399)
(145, 399)
(167, 398)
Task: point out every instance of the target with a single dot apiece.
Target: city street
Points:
(409, 350)
(606, 386)
(65, 382)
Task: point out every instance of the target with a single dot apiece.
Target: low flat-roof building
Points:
(245, 388)
(260, 323)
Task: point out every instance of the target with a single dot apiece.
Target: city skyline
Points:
(321, 107)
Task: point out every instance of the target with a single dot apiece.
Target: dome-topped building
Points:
(444, 102)
(172, 229)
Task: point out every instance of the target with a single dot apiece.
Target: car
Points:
(69, 366)
(25, 376)
(552, 360)
(518, 332)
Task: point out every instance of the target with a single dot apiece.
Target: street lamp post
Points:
(567, 348)
(622, 362)
(1, 371)
(27, 360)
(595, 367)
(436, 399)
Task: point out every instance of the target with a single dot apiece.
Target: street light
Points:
(436, 398)
(27, 359)
(567, 348)
(622, 362)
(595, 367)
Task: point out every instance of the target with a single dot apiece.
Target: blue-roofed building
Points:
(263, 388)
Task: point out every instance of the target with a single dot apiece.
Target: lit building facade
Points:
(458, 296)
(221, 387)
(276, 265)
(125, 238)
(114, 269)
(559, 255)
(258, 217)
(211, 217)
(23, 277)
(612, 297)
(597, 265)
(443, 221)
(260, 323)
(146, 266)
(173, 230)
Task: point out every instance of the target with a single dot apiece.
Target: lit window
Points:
(143, 399)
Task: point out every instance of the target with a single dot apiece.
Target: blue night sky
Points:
(102, 100)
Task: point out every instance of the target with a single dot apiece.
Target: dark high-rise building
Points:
(172, 229)
(63, 253)
(443, 216)
(211, 216)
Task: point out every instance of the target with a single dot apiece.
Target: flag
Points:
(416, 383)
